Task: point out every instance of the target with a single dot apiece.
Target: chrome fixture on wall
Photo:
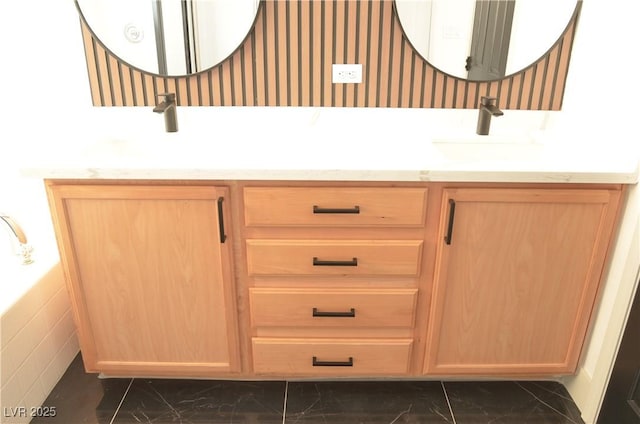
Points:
(19, 240)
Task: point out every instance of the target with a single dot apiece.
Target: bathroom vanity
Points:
(274, 279)
(274, 257)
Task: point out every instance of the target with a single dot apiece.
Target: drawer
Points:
(334, 206)
(334, 257)
(272, 307)
(331, 357)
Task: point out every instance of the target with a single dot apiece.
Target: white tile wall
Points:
(38, 342)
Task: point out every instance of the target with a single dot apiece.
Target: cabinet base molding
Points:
(161, 369)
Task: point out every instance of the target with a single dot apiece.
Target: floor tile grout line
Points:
(568, 398)
(544, 403)
(121, 401)
(446, 396)
(284, 406)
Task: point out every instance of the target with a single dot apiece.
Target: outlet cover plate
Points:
(349, 73)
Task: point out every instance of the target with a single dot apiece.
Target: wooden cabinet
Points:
(150, 277)
(333, 276)
(517, 271)
(332, 279)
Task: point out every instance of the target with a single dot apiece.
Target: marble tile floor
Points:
(83, 398)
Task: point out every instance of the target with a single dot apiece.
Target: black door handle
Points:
(452, 213)
(223, 236)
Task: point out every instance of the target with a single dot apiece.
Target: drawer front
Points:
(334, 257)
(333, 307)
(335, 206)
(331, 357)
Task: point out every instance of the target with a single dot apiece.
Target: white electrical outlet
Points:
(350, 73)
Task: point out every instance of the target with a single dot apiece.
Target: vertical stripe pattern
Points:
(286, 61)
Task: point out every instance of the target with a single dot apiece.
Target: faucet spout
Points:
(23, 248)
(487, 109)
(168, 108)
(493, 110)
(16, 230)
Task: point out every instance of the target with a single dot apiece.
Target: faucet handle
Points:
(488, 100)
(170, 97)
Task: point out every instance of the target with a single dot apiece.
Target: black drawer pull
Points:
(318, 262)
(317, 363)
(354, 210)
(350, 314)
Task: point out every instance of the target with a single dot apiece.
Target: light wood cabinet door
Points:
(517, 272)
(150, 277)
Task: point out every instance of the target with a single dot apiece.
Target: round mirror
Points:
(482, 40)
(170, 37)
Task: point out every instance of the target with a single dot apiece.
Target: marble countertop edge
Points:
(382, 175)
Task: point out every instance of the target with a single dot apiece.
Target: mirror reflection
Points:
(483, 40)
(170, 37)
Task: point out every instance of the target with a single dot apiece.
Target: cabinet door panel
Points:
(150, 278)
(515, 287)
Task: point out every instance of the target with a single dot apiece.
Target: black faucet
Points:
(488, 109)
(168, 107)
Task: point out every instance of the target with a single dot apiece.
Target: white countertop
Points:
(325, 144)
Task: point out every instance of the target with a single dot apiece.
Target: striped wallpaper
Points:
(286, 61)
